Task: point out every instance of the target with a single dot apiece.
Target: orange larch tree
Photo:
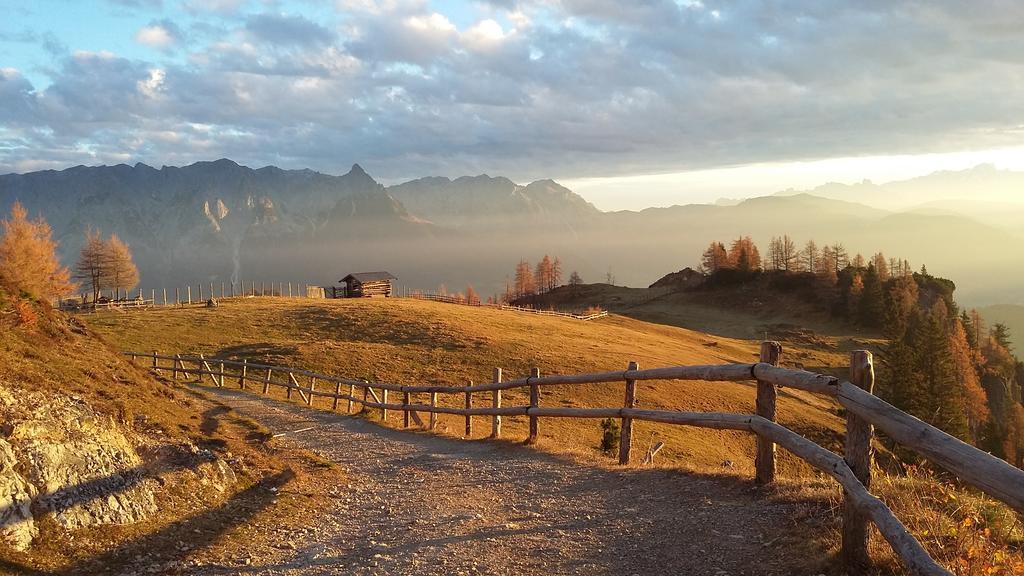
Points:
(28, 258)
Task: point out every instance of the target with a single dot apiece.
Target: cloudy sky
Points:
(632, 103)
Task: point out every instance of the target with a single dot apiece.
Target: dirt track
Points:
(417, 503)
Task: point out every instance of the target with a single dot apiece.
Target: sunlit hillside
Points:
(412, 341)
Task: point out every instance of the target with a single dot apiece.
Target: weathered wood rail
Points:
(852, 471)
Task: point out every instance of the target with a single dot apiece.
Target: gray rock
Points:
(72, 462)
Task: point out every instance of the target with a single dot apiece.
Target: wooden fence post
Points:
(174, 369)
(337, 392)
(764, 463)
(288, 390)
(245, 369)
(626, 435)
(212, 295)
(189, 290)
(496, 403)
(351, 393)
(469, 419)
(859, 456)
(433, 415)
(156, 365)
(312, 387)
(534, 402)
(177, 296)
(384, 400)
(221, 373)
(266, 381)
(405, 409)
(165, 297)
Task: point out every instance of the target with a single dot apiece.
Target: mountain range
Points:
(222, 222)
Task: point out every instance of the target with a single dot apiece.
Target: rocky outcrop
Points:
(60, 457)
(17, 527)
(683, 280)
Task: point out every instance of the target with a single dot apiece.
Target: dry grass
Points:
(413, 341)
(967, 532)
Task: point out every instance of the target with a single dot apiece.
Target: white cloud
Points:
(484, 34)
(153, 85)
(155, 36)
(628, 88)
(433, 23)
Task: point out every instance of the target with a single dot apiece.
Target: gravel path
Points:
(417, 503)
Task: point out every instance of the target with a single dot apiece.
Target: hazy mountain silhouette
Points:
(984, 192)
(211, 221)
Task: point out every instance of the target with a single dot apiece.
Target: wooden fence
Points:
(191, 294)
(852, 471)
(456, 300)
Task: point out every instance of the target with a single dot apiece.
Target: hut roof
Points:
(363, 277)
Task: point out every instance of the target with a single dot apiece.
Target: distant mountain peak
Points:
(357, 170)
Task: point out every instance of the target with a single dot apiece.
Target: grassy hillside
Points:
(52, 357)
(410, 341)
(746, 312)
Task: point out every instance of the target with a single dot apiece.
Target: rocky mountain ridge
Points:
(222, 222)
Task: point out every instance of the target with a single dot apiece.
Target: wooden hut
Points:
(368, 285)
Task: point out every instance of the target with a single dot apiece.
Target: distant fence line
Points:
(853, 472)
(189, 294)
(415, 294)
(200, 293)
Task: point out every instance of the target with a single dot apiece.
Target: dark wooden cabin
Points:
(368, 285)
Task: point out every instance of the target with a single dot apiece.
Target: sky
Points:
(631, 104)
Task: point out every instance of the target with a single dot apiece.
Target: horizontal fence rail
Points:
(852, 471)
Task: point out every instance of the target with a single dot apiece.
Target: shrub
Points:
(25, 314)
(610, 437)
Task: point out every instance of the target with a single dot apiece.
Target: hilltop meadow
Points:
(410, 341)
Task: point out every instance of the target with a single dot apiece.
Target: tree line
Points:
(783, 255)
(951, 371)
(939, 363)
(531, 280)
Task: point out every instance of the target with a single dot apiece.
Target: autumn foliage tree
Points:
(472, 298)
(743, 255)
(544, 274)
(28, 258)
(121, 269)
(528, 281)
(523, 283)
(714, 258)
(782, 254)
(106, 264)
(91, 266)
